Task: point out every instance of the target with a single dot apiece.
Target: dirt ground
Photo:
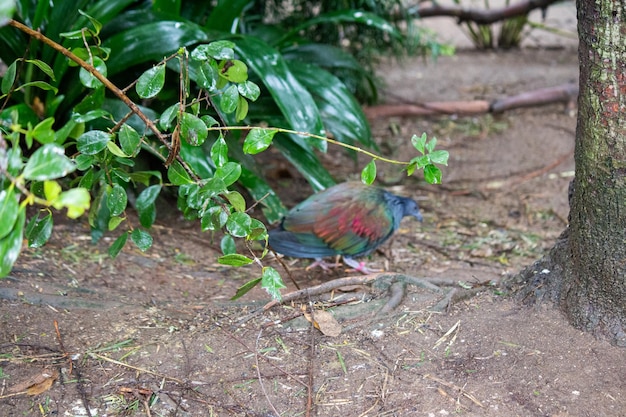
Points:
(155, 334)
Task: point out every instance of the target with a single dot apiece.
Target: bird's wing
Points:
(347, 223)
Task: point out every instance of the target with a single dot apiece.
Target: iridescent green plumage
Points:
(349, 219)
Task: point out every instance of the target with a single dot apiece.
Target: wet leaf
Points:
(93, 142)
(368, 174)
(258, 140)
(151, 82)
(9, 206)
(48, 162)
(272, 282)
(39, 229)
(234, 259)
(142, 239)
(118, 245)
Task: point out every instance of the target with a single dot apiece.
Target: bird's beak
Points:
(418, 216)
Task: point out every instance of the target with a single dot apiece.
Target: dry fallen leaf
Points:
(36, 384)
(325, 322)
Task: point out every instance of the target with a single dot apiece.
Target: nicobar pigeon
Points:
(349, 219)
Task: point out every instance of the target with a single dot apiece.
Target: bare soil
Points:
(155, 333)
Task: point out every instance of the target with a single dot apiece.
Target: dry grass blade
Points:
(456, 388)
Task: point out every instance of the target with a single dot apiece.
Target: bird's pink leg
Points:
(359, 266)
(322, 264)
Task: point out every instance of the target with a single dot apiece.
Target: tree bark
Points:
(585, 273)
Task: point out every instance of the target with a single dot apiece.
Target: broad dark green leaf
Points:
(117, 200)
(151, 82)
(242, 109)
(92, 142)
(294, 101)
(150, 43)
(272, 282)
(228, 246)
(368, 174)
(258, 140)
(225, 14)
(271, 205)
(47, 163)
(342, 114)
(197, 160)
(117, 246)
(90, 115)
(193, 129)
(347, 16)
(222, 49)
(11, 244)
(142, 239)
(9, 206)
(206, 74)
(305, 162)
(177, 174)
(39, 230)
(229, 173)
(212, 187)
(246, 287)
(239, 224)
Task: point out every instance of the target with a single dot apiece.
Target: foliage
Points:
(66, 123)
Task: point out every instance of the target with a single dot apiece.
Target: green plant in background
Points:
(510, 35)
(65, 123)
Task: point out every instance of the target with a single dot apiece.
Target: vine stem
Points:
(325, 139)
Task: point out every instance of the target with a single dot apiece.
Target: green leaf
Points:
(272, 282)
(142, 239)
(115, 150)
(246, 287)
(9, 78)
(212, 187)
(249, 90)
(229, 173)
(76, 200)
(214, 218)
(130, 140)
(193, 129)
(11, 244)
(90, 115)
(430, 145)
(273, 208)
(206, 74)
(177, 174)
(236, 200)
(117, 200)
(219, 151)
(258, 140)
(229, 99)
(227, 244)
(368, 174)
(39, 230)
(242, 109)
(233, 70)
(9, 206)
(215, 50)
(258, 231)
(151, 82)
(145, 205)
(234, 259)
(294, 101)
(410, 169)
(117, 246)
(239, 224)
(439, 157)
(420, 161)
(92, 142)
(43, 132)
(432, 174)
(87, 79)
(168, 115)
(48, 162)
(45, 68)
(419, 142)
(114, 222)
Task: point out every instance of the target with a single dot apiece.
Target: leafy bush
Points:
(66, 123)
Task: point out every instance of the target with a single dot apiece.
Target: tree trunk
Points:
(585, 273)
